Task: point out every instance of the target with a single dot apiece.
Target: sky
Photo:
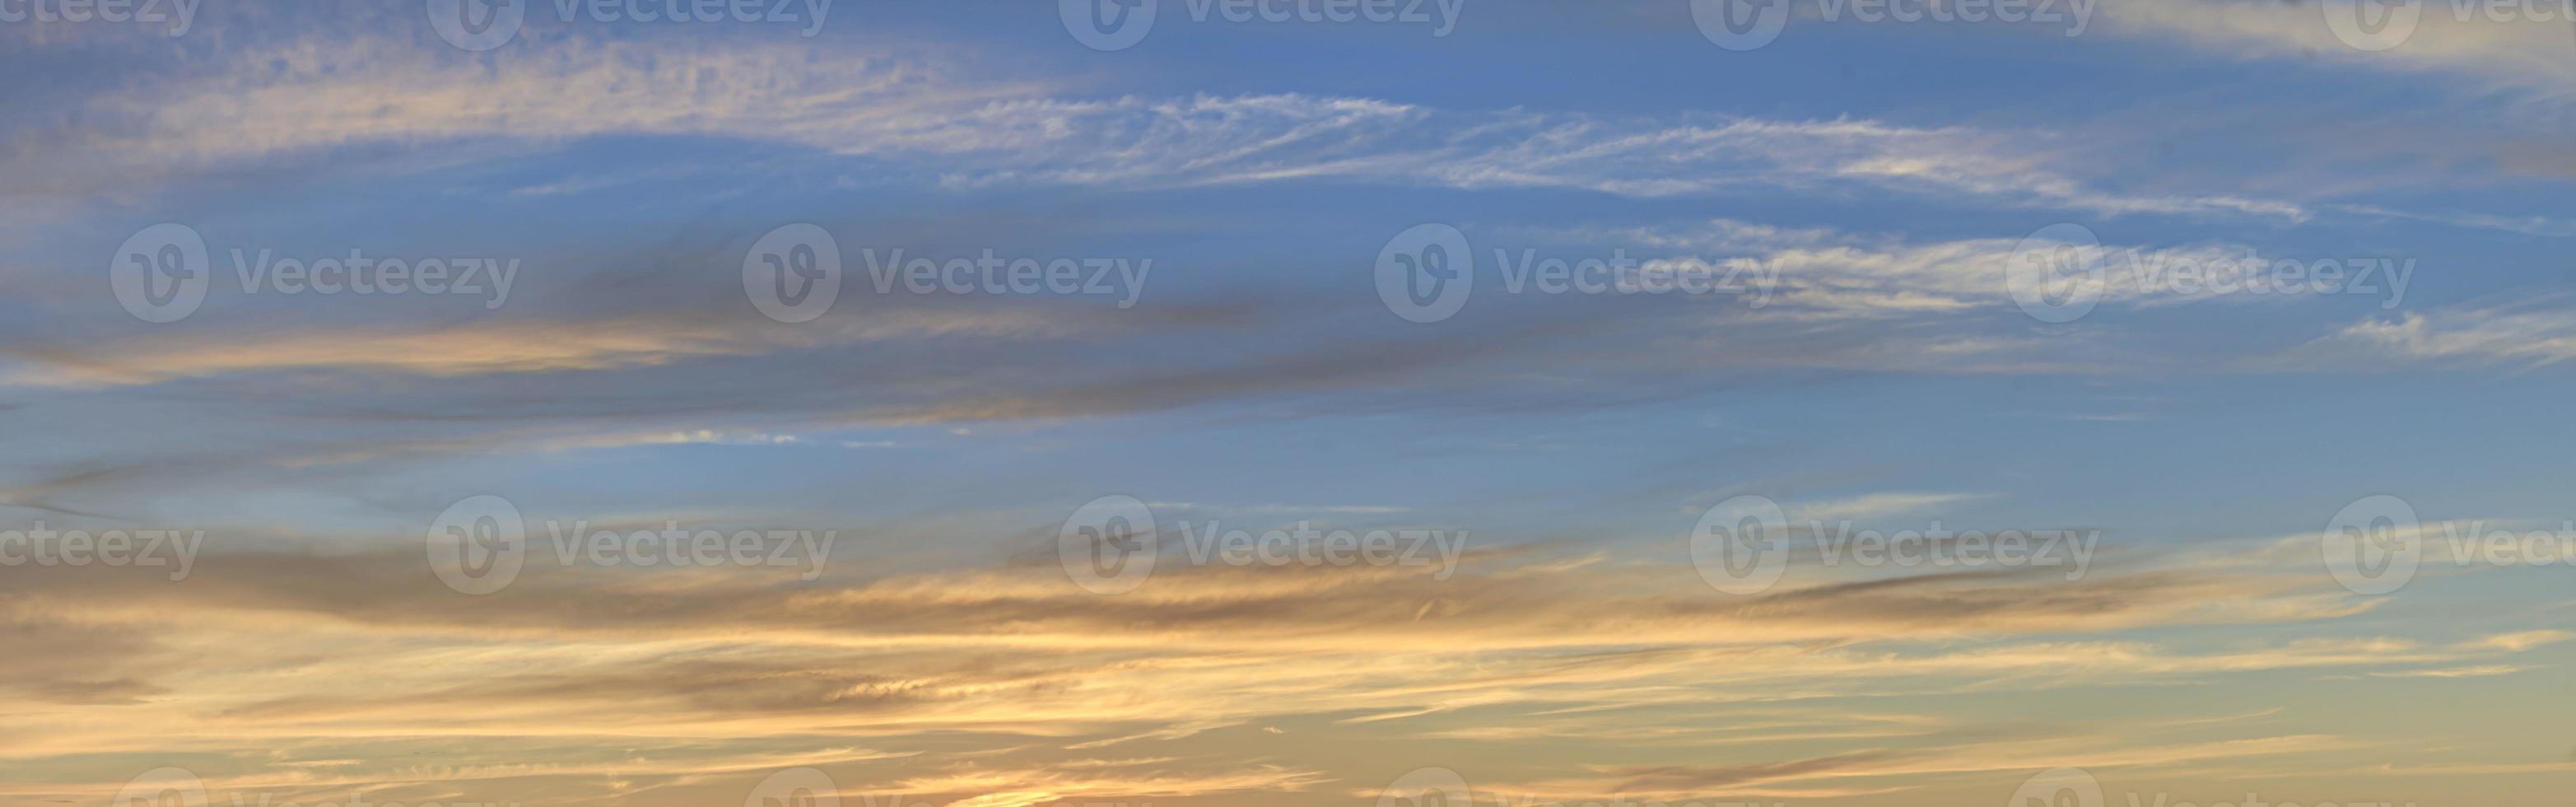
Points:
(1294, 402)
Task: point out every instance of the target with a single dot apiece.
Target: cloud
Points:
(2528, 334)
(914, 114)
(325, 651)
(2531, 54)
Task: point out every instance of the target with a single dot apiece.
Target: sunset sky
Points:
(878, 520)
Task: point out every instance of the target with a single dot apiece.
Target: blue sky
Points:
(1886, 185)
